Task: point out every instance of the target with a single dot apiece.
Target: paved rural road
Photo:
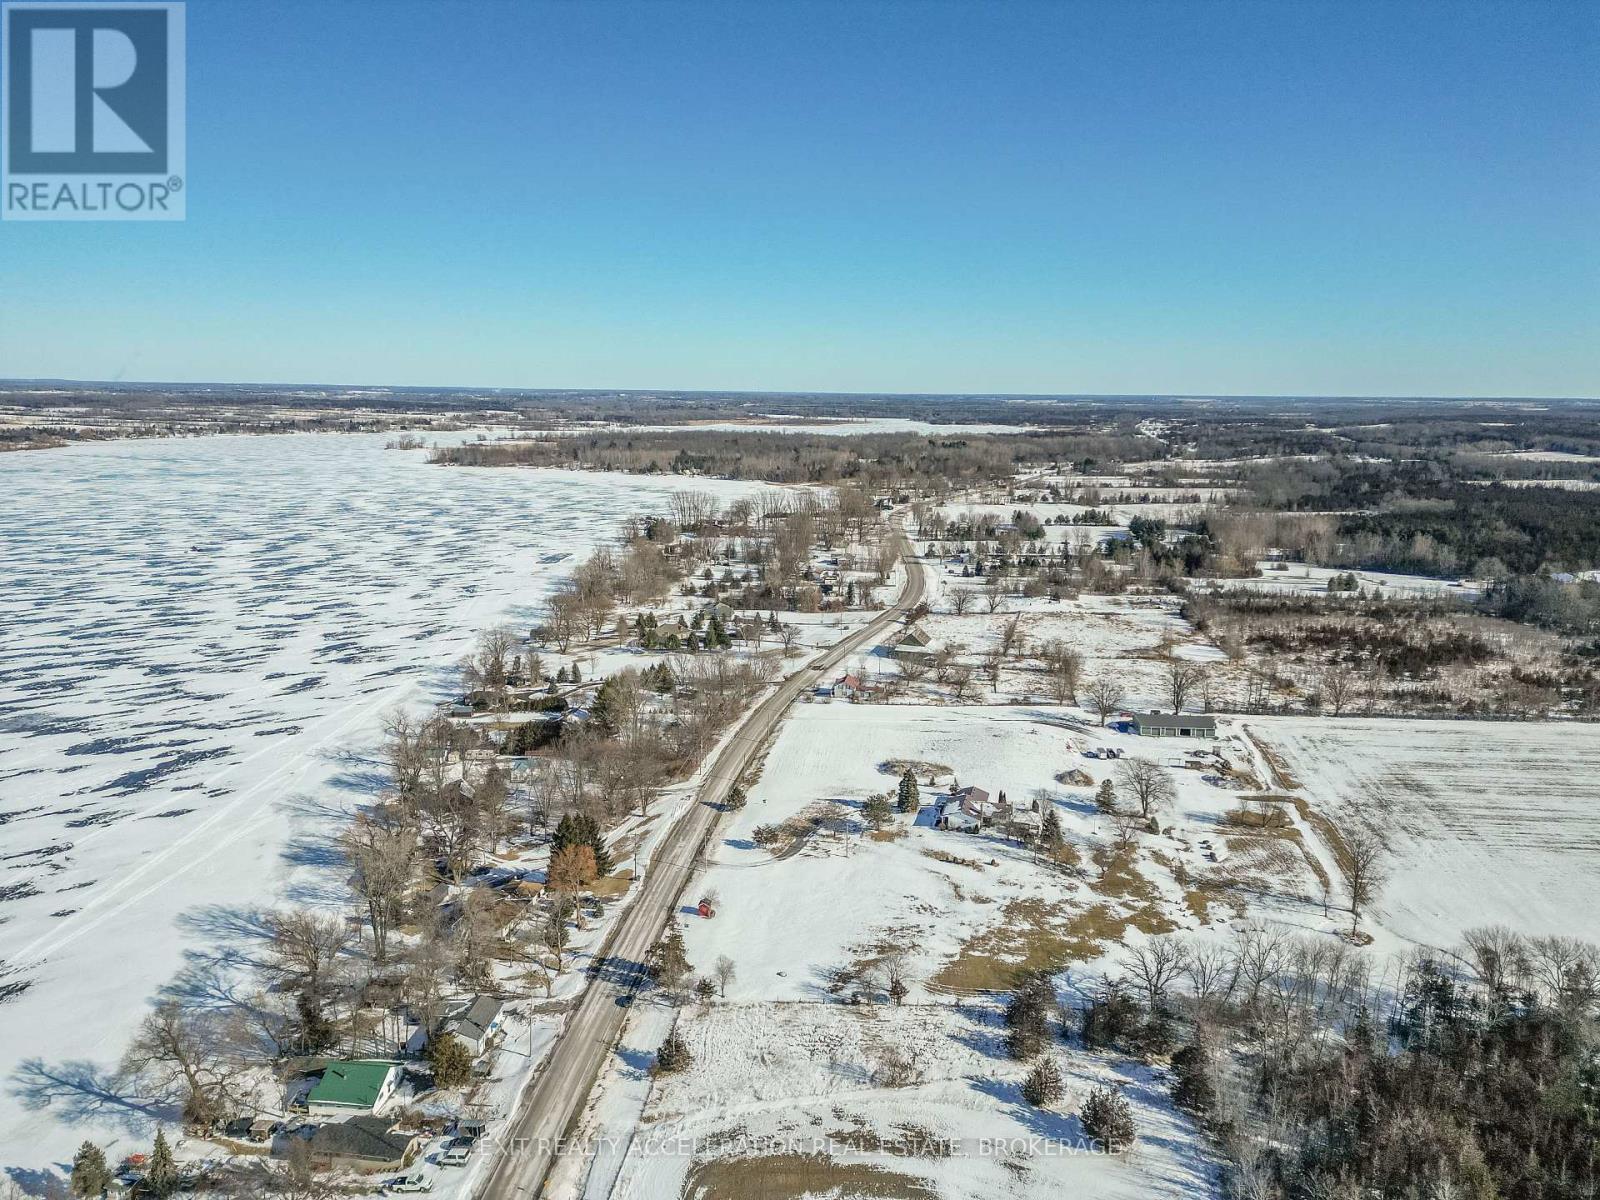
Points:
(550, 1106)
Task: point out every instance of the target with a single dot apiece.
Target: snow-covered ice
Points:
(201, 636)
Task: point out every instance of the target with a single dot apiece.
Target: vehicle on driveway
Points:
(456, 1153)
(415, 1181)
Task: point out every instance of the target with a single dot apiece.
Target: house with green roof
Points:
(348, 1088)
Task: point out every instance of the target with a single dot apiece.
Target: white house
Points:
(475, 1024)
(353, 1088)
(953, 817)
(850, 687)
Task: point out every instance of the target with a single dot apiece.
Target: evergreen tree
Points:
(909, 799)
(1050, 834)
(673, 1055)
(736, 798)
(161, 1172)
(316, 1031)
(1193, 1088)
(603, 712)
(1106, 798)
(1027, 1015)
(90, 1174)
(1108, 1119)
(451, 1062)
(1043, 1085)
(566, 834)
(878, 812)
(669, 961)
(589, 834)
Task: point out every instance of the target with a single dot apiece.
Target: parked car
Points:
(457, 1152)
(415, 1181)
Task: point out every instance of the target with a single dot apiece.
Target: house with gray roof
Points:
(362, 1144)
(1189, 725)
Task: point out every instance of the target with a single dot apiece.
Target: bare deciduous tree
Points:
(383, 857)
(1156, 965)
(1182, 677)
(1338, 685)
(1147, 782)
(960, 676)
(488, 668)
(185, 1056)
(1011, 637)
(1365, 863)
(1064, 666)
(913, 668)
(1105, 696)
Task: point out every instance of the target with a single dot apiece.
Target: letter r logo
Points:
(86, 89)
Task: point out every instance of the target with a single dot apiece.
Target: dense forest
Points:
(883, 462)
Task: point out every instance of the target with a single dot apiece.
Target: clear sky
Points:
(1109, 196)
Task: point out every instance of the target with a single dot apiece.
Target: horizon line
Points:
(1198, 397)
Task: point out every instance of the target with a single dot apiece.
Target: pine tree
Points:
(161, 1172)
(736, 798)
(877, 811)
(588, 832)
(566, 834)
(1193, 1088)
(603, 712)
(451, 1062)
(669, 960)
(1050, 835)
(1043, 1085)
(1108, 1119)
(90, 1174)
(909, 799)
(1106, 798)
(673, 1055)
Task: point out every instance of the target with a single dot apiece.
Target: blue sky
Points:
(1126, 197)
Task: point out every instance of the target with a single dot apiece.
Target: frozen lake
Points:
(200, 638)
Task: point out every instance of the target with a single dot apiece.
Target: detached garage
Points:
(1174, 725)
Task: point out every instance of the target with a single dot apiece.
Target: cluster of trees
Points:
(877, 462)
(1570, 607)
(1375, 653)
(1322, 1074)
(1423, 516)
(1032, 1016)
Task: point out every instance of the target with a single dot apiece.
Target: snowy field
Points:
(967, 910)
(1488, 822)
(201, 637)
(814, 1120)
(1304, 579)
